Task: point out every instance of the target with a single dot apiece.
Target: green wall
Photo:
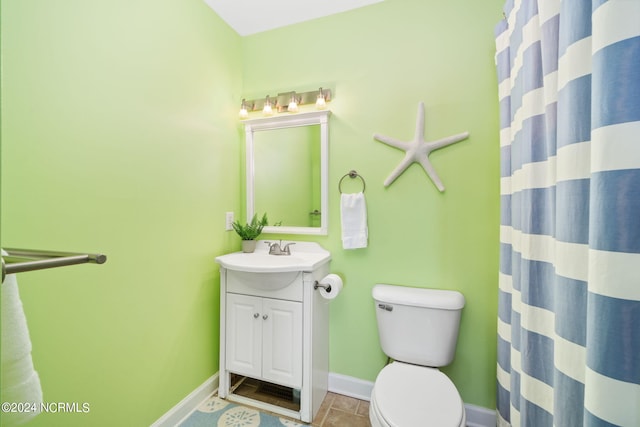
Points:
(119, 136)
(381, 61)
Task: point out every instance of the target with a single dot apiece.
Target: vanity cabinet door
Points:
(282, 342)
(244, 335)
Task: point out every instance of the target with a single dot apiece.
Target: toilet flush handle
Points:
(385, 307)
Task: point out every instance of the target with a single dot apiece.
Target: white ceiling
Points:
(254, 16)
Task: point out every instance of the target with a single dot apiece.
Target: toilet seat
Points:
(407, 395)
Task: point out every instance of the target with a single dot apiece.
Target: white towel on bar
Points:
(353, 213)
(20, 382)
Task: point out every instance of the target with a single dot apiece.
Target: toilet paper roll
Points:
(333, 284)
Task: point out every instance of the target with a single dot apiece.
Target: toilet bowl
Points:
(406, 395)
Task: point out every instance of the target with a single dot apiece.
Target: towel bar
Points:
(22, 260)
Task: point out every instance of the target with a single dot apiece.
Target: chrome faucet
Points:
(277, 249)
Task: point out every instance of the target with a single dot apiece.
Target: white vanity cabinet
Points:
(264, 339)
(274, 326)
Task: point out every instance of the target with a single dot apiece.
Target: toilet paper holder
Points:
(317, 285)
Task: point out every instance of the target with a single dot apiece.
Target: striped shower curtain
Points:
(569, 287)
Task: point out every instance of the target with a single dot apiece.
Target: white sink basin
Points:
(263, 271)
(265, 281)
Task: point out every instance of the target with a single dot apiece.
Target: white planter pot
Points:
(248, 246)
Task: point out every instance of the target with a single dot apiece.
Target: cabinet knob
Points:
(255, 315)
(264, 316)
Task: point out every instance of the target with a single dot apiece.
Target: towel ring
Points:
(352, 174)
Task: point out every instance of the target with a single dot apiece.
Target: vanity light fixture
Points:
(286, 102)
(267, 110)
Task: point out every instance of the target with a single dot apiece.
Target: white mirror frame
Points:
(286, 121)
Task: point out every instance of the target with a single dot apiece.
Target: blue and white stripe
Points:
(569, 281)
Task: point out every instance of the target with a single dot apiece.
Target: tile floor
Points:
(336, 410)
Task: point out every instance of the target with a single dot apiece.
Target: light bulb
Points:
(293, 105)
(267, 110)
(321, 104)
(243, 110)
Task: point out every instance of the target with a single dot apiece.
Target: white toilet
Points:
(418, 329)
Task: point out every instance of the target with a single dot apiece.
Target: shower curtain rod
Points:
(21, 260)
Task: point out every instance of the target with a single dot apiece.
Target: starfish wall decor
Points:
(418, 150)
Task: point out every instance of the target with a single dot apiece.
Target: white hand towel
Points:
(353, 213)
(20, 382)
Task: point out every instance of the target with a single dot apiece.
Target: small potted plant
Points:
(250, 231)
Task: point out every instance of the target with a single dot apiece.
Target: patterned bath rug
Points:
(216, 412)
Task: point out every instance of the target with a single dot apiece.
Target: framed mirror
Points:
(287, 164)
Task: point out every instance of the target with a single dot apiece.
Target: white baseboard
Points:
(477, 416)
(350, 386)
(184, 408)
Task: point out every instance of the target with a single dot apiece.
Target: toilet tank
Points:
(418, 325)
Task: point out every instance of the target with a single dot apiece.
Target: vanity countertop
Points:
(305, 256)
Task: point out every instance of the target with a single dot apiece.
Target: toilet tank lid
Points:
(418, 297)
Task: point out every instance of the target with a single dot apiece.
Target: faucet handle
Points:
(286, 248)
